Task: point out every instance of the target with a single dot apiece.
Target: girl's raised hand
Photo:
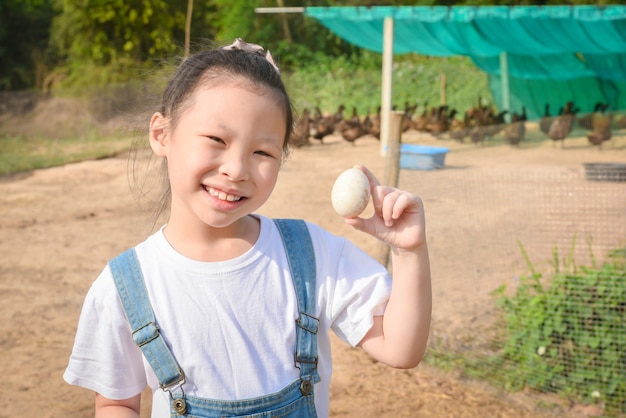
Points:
(398, 218)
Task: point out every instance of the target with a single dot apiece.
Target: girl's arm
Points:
(399, 337)
(125, 408)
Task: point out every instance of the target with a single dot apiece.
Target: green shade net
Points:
(555, 53)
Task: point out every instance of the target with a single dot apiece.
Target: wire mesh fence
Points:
(529, 276)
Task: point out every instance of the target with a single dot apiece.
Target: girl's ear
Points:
(158, 134)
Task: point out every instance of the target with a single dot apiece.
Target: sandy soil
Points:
(59, 227)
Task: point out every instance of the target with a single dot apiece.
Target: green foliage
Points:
(24, 29)
(233, 20)
(356, 81)
(101, 41)
(567, 334)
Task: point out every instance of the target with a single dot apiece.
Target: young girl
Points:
(224, 312)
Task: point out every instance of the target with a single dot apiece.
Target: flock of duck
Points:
(478, 123)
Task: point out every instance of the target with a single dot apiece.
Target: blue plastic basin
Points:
(422, 157)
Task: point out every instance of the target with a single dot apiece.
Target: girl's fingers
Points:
(374, 184)
(394, 205)
(372, 178)
(389, 203)
(383, 198)
(397, 218)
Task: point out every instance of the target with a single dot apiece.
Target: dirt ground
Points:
(59, 227)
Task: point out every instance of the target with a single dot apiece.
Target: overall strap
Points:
(134, 295)
(301, 256)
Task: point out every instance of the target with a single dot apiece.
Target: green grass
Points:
(18, 154)
(583, 350)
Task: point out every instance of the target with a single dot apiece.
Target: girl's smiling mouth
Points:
(222, 195)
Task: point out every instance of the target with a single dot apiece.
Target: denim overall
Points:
(295, 400)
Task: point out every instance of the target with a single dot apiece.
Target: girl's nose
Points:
(235, 167)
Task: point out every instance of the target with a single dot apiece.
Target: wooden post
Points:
(392, 169)
(283, 18)
(387, 84)
(442, 89)
(504, 80)
(188, 27)
(392, 161)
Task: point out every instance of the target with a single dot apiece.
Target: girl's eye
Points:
(264, 154)
(216, 139)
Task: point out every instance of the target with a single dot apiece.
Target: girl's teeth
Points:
(229, 197)
(224, 196)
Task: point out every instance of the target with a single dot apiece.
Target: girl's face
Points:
(223, 155)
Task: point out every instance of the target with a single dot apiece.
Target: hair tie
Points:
(257, 49)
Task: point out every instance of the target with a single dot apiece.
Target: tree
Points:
(24, 54)
(188, 26)
(109, 36)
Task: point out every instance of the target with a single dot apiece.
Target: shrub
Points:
(356, 81)
(567, 334)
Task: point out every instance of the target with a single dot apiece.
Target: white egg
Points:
(351, 193)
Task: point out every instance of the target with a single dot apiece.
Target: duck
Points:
(372, 123)
(419, 122)
(601, 127)
(586, 121)
(515, 131)
(302, 130)
(352, 129)
(546, 120)
(563, 124)
(407, 120)
(324, 125)
(495, 122)
(458, 129)
(438, 121)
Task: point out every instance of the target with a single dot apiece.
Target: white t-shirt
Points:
(230, 324)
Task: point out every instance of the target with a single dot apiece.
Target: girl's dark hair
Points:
(210, 68)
